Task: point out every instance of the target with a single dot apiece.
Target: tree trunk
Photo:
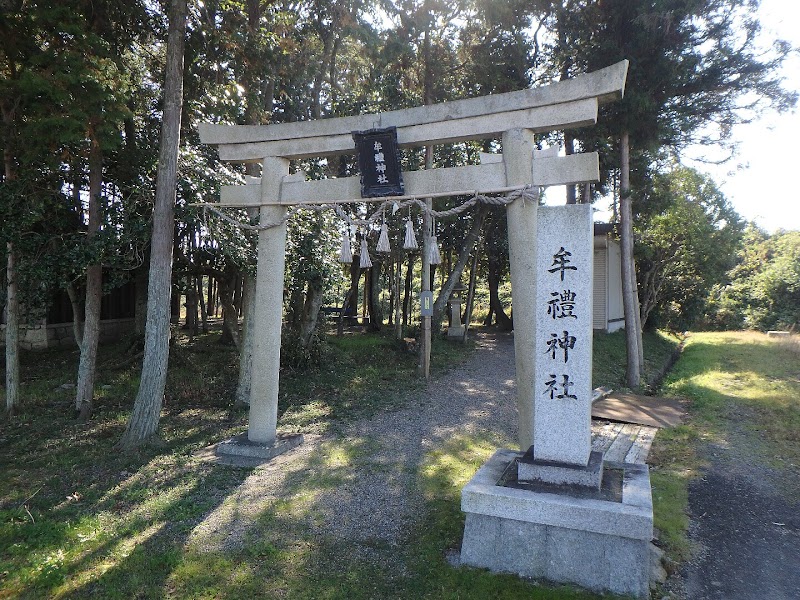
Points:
(365, 297)
(340, 320)
(246, 350)
(175, 306)
(633, 334)
(455, 275)
(211, 310)
(12, 291)
(496, 307)
(407, 290)
(143, 423)
(12, 332)
(311, 306)
(77, 314)
(473, 275)
(427, 224)
(87, 365)
(392, 296)
(398, 307)
(569, 149)
(141, 276)
(652, 280)
(230, 315)
(237, 295)
(487, 322)
(203, 310)
(192, 324)
(375, 311)
(350, 309)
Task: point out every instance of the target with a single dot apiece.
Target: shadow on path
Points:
(748, 533)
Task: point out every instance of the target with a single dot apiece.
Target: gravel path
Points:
(360, 484)
(379, 503)
(746, 525)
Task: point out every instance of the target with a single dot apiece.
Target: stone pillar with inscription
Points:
(561, 451)
(555, 510)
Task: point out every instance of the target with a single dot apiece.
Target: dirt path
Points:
(746, 523)
(359, 485)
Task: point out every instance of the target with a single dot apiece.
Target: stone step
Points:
(622, 442)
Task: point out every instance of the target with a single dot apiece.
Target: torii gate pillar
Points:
(518, 158)
(269, 306)
(261, 440)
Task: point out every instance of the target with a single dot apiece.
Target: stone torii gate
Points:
(514, 116)
(555, 510)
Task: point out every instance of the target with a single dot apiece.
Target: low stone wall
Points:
(55, 335)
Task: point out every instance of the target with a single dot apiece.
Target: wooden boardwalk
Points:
(622, 442)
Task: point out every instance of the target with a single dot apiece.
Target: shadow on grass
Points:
(315, 529)
(121, 526)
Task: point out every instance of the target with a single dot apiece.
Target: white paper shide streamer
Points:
(365, 260)
(411, 240)
(434, 258)
(345, 254)
(383, 240)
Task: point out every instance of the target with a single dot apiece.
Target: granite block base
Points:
(455, 332)
(241, 446)
(590, 475)
(597, 544)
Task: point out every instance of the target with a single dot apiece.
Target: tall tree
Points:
(688, 240)
(106, 34)
(696, 69)
(143, 423)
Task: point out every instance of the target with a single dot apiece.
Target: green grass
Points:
(741, 387)
(361, 374)
(745, 383)
(609, 358)
(79, 519)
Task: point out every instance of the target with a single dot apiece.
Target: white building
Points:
(608, 312)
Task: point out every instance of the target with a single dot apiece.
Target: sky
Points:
(759, 181)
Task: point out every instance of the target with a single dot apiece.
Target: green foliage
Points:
(686, 244)
(65, 85)
(608, 363)
(764, 286)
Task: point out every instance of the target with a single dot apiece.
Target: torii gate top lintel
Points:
(562, 105)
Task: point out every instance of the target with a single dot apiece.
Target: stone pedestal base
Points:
(455, 332)
(241, 446)
(591, 475)
(600, 544)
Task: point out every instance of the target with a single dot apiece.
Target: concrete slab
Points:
(241, 446)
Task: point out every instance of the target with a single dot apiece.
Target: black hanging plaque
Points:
(379, 163)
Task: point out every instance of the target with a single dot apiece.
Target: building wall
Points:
(615, 311)
(39, 337)
(608, 312)
(117, 311)
(599, 290)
